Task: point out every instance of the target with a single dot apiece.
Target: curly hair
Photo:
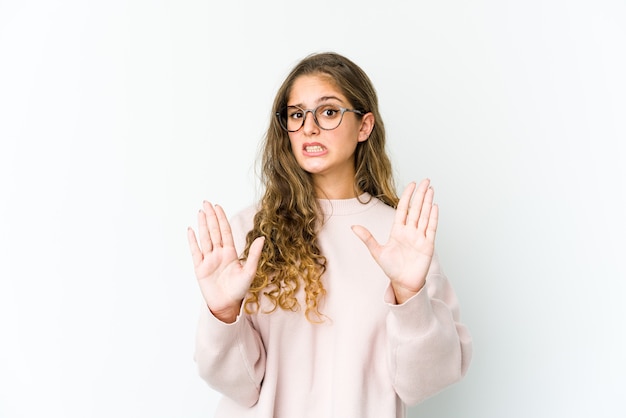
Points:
(289, 215)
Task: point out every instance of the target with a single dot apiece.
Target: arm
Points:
(229, 351)
(230, 357)
(429, 349)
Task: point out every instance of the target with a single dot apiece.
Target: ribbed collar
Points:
(343, 207)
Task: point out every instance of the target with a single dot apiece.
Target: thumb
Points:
(254, 255)
(368, 239)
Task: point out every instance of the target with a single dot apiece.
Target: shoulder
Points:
(244, 218)
(378, 209)
(383, 207)
(240, 224)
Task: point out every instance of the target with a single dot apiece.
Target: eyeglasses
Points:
(326, 116)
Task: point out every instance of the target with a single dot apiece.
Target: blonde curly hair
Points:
(289, 216)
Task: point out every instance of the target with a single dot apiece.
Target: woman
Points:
(308, 321)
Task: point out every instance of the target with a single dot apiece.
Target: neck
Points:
(326, 188)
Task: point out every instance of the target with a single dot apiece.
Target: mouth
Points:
(313, 148)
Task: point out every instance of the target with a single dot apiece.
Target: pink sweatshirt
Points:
(369, 359)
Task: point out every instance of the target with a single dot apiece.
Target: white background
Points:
(118, 118)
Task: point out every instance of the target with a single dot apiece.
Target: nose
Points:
(309, 126)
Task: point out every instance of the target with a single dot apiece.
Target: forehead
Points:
(309, 90)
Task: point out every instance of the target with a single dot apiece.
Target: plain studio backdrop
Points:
(118, 118)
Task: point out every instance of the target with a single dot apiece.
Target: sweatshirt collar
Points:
(342, 207)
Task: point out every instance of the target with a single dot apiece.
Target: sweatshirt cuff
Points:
(413, 317)
(212, 329)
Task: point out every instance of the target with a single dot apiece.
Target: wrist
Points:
(403, 294)
(227, 314)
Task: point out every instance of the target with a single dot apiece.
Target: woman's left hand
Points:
(406, 256)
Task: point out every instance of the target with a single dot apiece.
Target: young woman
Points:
(337, 305)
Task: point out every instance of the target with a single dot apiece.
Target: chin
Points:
(311, 168)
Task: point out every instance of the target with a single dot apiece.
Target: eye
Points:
(328, 111)
(294, 113)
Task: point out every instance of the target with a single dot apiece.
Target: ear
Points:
(367, 125)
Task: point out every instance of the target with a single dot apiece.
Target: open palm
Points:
(407, 255)
(223, 279)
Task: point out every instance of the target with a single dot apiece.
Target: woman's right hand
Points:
(223, 279)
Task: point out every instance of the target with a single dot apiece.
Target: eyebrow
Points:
(321, 99)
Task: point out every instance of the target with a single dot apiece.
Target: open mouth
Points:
(313, 148)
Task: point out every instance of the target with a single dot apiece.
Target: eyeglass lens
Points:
(326, 117)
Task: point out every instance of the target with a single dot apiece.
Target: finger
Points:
(403, 204)
(226, 233)
(213, 225)
(416, 204)
(254, 255)
(368, 239)
(203, 232)
(427, 205)
(433, 221)
(196, 254)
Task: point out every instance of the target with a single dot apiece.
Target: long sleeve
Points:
(230, 357)
(429, 349)
(367, 359)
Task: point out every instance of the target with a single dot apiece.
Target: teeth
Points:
(314, 148)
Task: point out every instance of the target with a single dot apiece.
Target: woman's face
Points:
(326, 154)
